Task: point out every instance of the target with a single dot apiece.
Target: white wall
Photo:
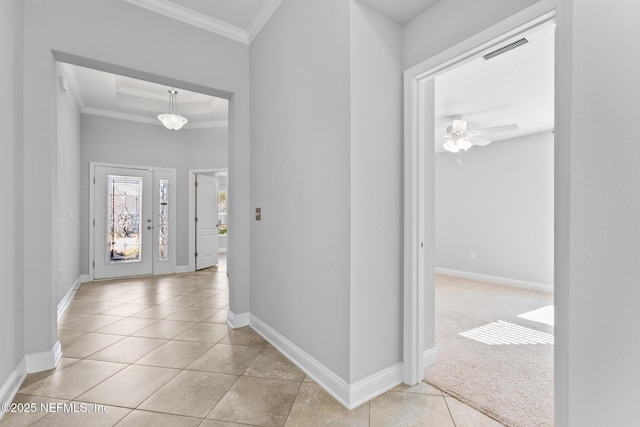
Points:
(498, 204)
(109, 140)
(69, 178)
(84, 33)
(11, 255)
(449, 22)
(597, 290)
(376, 189)
(300, 160)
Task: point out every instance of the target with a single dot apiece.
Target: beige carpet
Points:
(512, 383)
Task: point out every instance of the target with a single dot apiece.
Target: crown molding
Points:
(262, 17)
(101, 112)
(194, 18)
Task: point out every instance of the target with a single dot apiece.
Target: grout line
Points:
(449, 409)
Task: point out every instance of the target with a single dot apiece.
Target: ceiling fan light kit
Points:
(459, 138)
(172, 119)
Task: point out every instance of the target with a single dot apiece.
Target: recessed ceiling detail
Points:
(119, 97)
(238, 20)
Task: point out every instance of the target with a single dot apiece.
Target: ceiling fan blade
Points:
(494, 129)
(480, 142)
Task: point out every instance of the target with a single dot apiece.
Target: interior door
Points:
(123, 222)
(206, 221)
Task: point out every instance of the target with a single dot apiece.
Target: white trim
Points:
(182, 269)
(262, 17)
(84, 278)
(349, 395)
(45, 360)
(239, 320)
(506, 281)
(64, 303)
(11, 386)
(430, 357)
(120, 115)
(191, 17)
(416, 227)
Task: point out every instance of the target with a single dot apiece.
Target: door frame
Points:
(419, 195)
(192, 213)
(158, 172)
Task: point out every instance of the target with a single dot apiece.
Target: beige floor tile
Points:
(193, 314)
(91, 308)
(205, 332)
(219, 317)
(73, 380)
(226, 359)
(409, 410)
(90, 324)
(19, 416)
(119, 295)
(65, 337)
(72, 415)
(158, 312)
(244, 336)
(215, 423)
(420, 388)
(258, 401)
(153, 299)
(129, 387)
(128, 350)
(88, 344)
(465, 416)
(153, 419)
(203, 293)
(35, 377)
(175, 354)
(190, 393)
(314, 406)
(213, 302)
(272, 364)
(69, 317)
(127, 326)
(165, 329)
(183, 301)
(128, 309)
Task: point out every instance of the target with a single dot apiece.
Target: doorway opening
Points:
(420, 198)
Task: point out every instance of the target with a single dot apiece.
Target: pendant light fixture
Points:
(172, 118)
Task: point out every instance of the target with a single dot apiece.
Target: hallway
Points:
(157, 351)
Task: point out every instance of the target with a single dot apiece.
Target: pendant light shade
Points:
(172, 118)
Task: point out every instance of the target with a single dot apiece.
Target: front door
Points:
(206, 221)
(123, 222)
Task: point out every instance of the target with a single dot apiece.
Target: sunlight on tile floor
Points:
(157, 351)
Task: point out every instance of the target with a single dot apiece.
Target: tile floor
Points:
(156, 351)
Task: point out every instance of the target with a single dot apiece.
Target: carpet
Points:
(510, 379)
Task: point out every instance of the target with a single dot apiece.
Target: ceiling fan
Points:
(459, 137)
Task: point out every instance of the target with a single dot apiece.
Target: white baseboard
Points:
(515, 283)
(430, 357)
(11, 386)
(84, 278)
(182, 268)
(37, 362)
(349, 395)
(239, 320)
(62, 306)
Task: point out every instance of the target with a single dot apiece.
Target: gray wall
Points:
(300, 155)
(450, 22)
(499, 204)
(376, 189)
(125, 142)
(82, 32)
(11, 256)
(69, 179)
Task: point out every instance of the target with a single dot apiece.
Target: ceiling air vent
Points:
(506, 48)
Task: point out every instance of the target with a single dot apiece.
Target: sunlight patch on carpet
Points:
(505, 333)
(541, 315)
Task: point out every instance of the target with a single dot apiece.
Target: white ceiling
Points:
(401, 11)
(515, 87)
(110, 95)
